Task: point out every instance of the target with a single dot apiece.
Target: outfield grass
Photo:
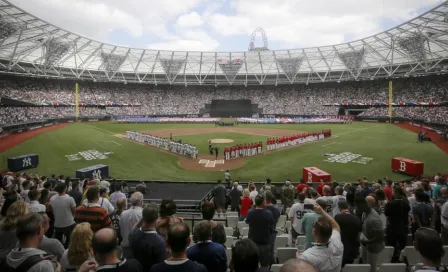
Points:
(133, 161)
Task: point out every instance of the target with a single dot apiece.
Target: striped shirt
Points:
(94, 214)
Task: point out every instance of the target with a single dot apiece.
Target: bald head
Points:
(295, 265)
(326, 190)
(104, 242)
(371, 201)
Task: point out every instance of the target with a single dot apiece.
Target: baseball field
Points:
(354, 150)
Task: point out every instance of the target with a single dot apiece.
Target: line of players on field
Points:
(175, 147)
(243, 150)
(285, 141)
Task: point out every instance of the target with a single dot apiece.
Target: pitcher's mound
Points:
(221, 141)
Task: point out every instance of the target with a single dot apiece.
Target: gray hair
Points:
(235, 184)
(136, 199)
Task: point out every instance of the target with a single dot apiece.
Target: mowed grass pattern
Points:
(134, 161)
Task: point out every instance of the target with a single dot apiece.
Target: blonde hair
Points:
(246, 192)
(15, 211)
(80, 246)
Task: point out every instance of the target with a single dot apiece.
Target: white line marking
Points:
(108, 131)
(204, 161)
(348, 132)
(329, 144)
(219, 162)
(113, 142)
(210, 164)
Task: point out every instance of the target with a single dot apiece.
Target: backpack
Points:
(25, 265)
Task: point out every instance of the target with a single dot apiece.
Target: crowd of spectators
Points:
(44, 226)
(168, 100)
(428, 114)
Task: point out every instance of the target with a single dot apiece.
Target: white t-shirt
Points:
(227, 175)
(297, 212)
(253, 195)
(326, 258)
(62, 210)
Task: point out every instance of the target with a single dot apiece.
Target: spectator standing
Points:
(444, 223)
(269, 199)
(253, 192)
(116, 215)
(287, 194)
(235, 196)
(296, 214)
(218, 231)
(301, 186)
(92, 212)
(212, 255)
(34, 205)
(308, 224)
(30, 231)
(436, 190)
(227, 177)
(178, 239)
(104, 244)
(219, 195)
(326, 254)
(388, 190)
(245, 257)
(24, 193)
(261, 228)
(246, 204)
(75, 193)
(8, 226)
(422, 211)
(10, 198)
(372, 238)
(397, 221)
(167, 217)
(429, 244)
(50, 245)
(63, 207)
(80, 248)
(350, 226)
(146, 245)
(365, 189)
(117, 194)
(128, 219)
(102, 200)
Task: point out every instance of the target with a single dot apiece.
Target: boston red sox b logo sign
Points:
(402, 166)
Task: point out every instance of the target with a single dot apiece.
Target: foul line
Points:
(112, 142)
(348, 132)
(329, 144)
(108, 131)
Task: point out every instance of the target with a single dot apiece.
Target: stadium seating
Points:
(135, 99)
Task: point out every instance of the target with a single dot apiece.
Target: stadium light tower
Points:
(252, 40)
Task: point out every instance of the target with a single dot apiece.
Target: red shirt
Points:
(388, 193)
(246, 205)
(301, 186)
(320, 188)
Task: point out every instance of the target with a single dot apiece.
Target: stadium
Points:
(373, 109)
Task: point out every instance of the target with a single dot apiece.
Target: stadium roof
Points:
(33, 47)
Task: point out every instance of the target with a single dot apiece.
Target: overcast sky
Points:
(225, 25)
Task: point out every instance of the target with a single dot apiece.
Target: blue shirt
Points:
(261, 226)
(211, 255)
(148, 247)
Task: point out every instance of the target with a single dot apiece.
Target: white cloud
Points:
(189, 20)
(97, 18)
(300, 23)
(190, 40)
